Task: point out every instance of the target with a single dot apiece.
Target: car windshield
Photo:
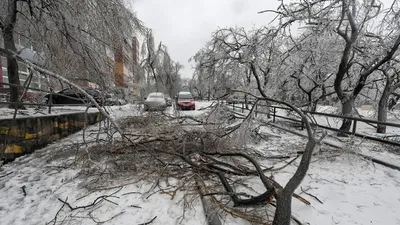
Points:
(185, 96)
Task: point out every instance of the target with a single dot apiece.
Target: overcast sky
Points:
(185, 26)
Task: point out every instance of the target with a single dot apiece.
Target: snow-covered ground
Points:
(352, 190)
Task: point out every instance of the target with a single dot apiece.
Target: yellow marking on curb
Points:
(13, 149)
(14, 132)
(78, 124)
(34, 135)
(3, 130)
(63, 125)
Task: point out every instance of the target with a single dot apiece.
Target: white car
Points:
(155, 101)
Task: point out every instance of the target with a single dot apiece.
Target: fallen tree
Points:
(206, 155)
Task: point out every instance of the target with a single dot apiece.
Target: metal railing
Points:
(40, 100)
(241, 105)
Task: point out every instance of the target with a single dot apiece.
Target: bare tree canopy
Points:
(339, 49)
(74, 37)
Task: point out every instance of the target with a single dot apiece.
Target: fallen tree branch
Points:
(58, 212)
(262, 199)
(262, 176)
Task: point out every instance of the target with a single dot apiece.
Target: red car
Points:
(185, 100)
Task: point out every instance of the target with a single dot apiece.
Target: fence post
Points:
(354, 126)
(50, 100)
(274, 115)
(233, 105)
(256, 108)
(242, 107)
(302, 124)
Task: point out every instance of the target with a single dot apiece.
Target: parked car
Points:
(185, 100)
(72, 96)
(155, 101)
(232, 99)
(114, 100)
(122, 101)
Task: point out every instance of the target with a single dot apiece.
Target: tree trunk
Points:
(312, 106)
(383, 108)
(347, 109)
(246, 101)
(12, 66)
(283, 213)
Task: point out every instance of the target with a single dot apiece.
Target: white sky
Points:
(185, 26)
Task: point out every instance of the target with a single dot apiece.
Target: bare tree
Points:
(311, 66)
(7, 25)
(392, 78)
(350, 20)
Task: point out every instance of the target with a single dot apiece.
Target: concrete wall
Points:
(25, 135)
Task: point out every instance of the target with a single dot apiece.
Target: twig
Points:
(99, 222)
(311, 195)
(24, 190)
(55, 217)
(229, 193)
(95, 202)
(287, 164)
(147, 223)
(6, 174)
(133, 192)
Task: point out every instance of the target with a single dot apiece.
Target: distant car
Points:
(122, 101)
(72, 96)
(155, 101)
(185, 100)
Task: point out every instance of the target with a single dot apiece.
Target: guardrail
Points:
(273, 113)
